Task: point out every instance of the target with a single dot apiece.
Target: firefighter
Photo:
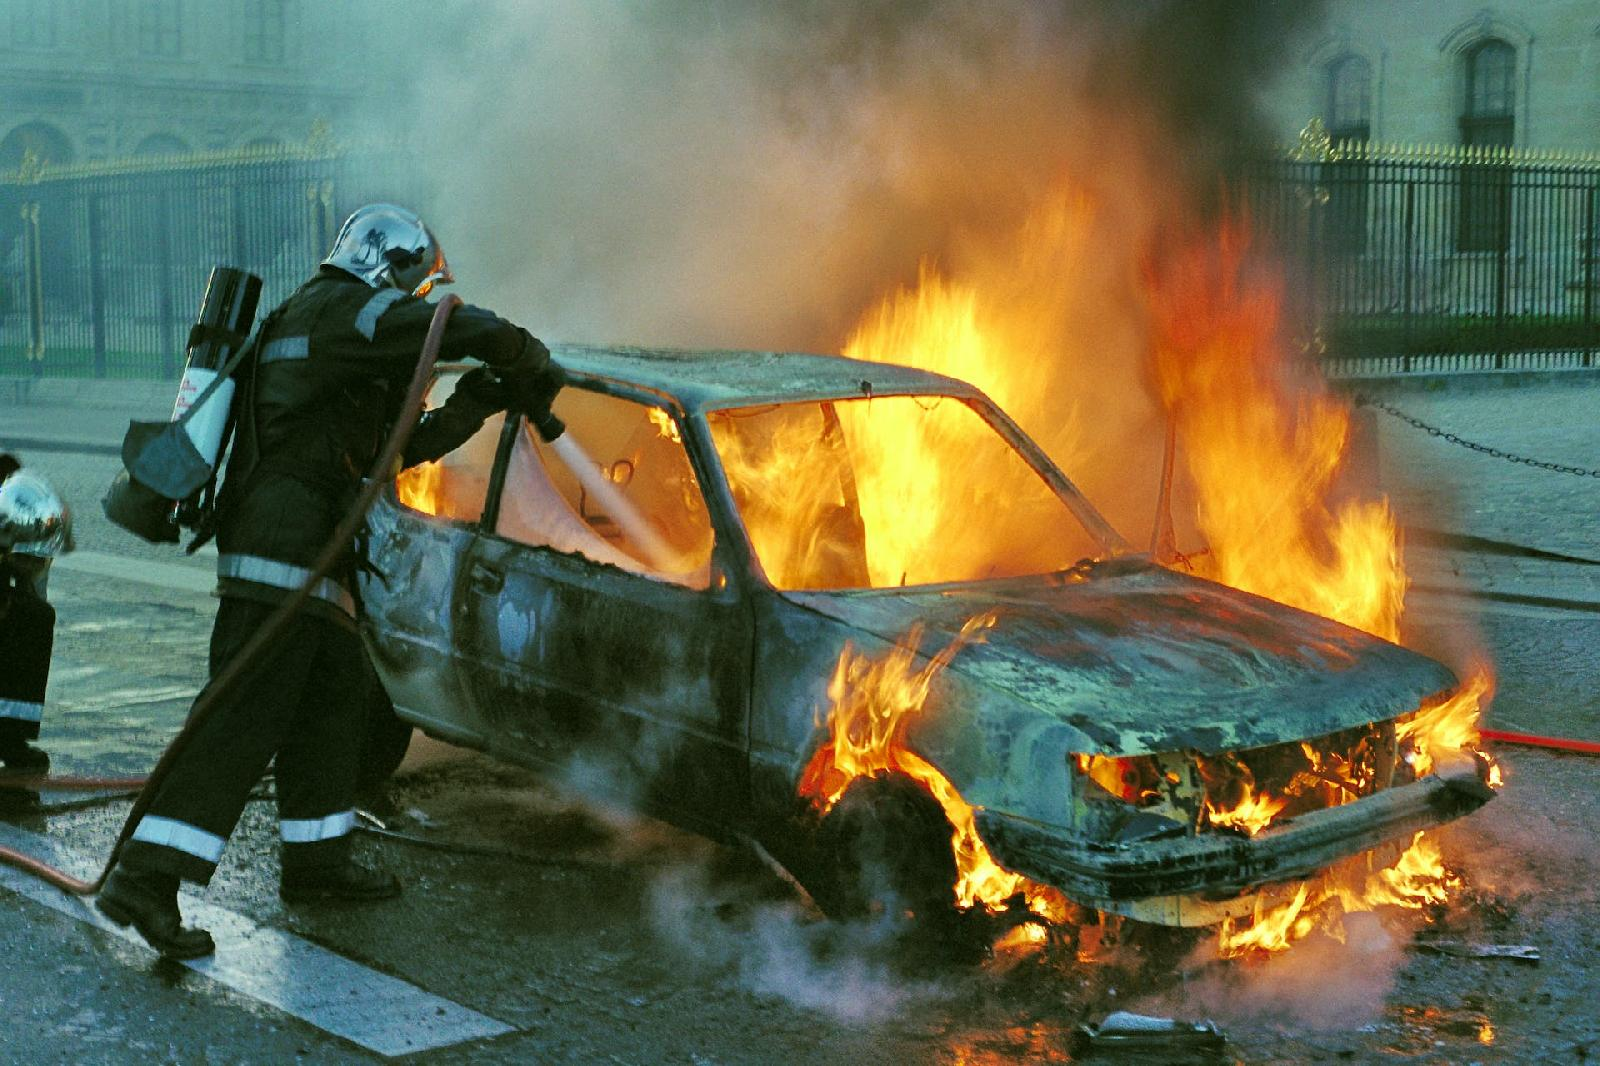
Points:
(318, 400)
(34, 527)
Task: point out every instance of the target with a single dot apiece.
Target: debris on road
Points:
(1125, 1031)
(1464, 950)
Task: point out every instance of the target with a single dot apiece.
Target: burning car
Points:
(742, 583)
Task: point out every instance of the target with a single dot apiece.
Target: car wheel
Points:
(383, 743)
(886, 849)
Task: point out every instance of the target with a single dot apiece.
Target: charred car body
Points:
(762, 514)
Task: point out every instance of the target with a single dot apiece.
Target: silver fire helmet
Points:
(385, 246)
(33, 519)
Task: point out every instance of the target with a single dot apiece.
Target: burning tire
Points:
(885, 848)
(384, 741)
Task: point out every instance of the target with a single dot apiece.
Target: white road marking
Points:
(147, 571)
(381, 1013)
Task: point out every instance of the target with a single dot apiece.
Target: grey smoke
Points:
(733, 174)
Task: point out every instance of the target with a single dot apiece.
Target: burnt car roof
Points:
(702, 380)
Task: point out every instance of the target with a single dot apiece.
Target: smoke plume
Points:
(742, 175)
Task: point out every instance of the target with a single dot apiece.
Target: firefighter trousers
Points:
(27, 639)
(302, 705)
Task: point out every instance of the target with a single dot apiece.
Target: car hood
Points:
(1142, 659)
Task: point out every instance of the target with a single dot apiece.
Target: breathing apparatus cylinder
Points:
(226, 313)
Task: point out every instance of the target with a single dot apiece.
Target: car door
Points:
(418, 542)
(604, 636)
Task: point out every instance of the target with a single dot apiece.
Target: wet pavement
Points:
(592, 935)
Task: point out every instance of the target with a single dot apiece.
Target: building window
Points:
(264, 31)
(1349, 110)
(46, 142)
(34, 25)
(1350, 99)
(1488, 120)
(159, 28)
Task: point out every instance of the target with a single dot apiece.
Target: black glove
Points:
(533, 381)
(541, 390)
(537, 392)
(483, 390)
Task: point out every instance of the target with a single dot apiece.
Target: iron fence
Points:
(102, 266)
(1469, 254)
(1458, 252)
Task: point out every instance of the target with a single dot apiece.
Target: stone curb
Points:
(139, 397)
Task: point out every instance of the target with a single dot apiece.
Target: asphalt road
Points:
(559, 930)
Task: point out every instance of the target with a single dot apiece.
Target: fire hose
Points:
(1533, 740)
(211, 696)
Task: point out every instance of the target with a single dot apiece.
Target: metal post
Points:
(1591, 241)
(165, 312)
(35, 273)
(1407, 244)
(1502, 208)
(97, 284)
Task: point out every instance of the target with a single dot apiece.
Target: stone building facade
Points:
(86, 80)
(1524, 74)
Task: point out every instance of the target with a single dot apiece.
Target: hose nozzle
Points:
(549, 426)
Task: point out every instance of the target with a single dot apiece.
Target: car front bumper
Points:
(1192, 879)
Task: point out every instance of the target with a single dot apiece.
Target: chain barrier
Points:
(1484, 449)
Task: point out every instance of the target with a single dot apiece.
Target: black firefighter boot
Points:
(148, 901)
(344, 882)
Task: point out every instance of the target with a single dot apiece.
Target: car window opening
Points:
(628, 497)
(890, 492)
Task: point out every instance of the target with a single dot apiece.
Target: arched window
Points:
(1350, 99)
(162, 144)
(1489, 112)
(1488, 119)
(41, 138)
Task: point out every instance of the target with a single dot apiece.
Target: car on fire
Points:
(674, 590)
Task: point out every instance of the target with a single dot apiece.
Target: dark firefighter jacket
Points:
(313, 411)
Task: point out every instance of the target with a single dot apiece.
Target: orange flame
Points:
(1416, 880)
(1451, 724)
(1250, 815)
(1264, 443)
(421, 487)
(871, 704)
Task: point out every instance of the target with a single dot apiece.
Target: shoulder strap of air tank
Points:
(223, 375)
(243, 408)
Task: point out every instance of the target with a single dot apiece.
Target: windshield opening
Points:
(890, 491)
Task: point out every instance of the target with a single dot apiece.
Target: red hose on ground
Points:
(211, 696)
(1582, 747)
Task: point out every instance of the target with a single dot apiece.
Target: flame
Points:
(664, 425)
(872, 702)
(1264, 442)
(1450, 724)
(1250, 815)
(1417, 879)
(421, 487)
